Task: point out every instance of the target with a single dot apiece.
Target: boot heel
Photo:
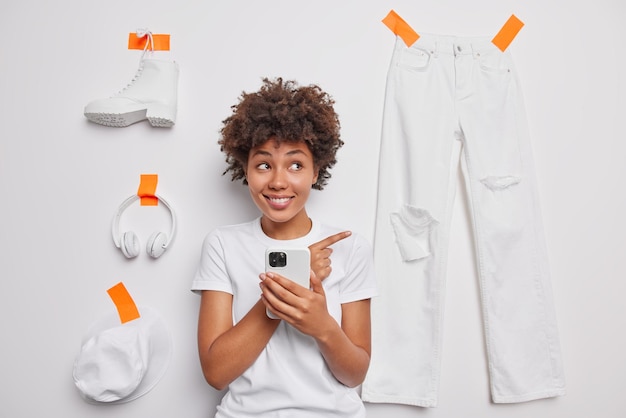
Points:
(161, 116)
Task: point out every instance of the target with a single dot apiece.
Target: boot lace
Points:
(145, 33)
(149, 47)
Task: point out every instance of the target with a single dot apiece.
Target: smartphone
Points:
(292, 263)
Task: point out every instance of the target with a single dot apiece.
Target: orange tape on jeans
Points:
(147, 189)
(508, 32)
(160, 41)
(398, 26)
(124, 303)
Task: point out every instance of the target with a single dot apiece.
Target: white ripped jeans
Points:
(448, 96)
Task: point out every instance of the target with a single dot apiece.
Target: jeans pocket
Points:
(494, 62)
(412, 227)
(414, 59)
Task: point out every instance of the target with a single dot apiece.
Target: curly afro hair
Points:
(283, 111)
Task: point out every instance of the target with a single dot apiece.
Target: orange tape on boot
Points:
(160, 41)
(124, 303)
(147, 189)
(508, 32)
(398, 26)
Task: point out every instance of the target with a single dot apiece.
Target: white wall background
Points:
(62, 179)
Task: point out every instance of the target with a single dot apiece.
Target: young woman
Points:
(281, 142)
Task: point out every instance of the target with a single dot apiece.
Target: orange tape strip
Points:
(508, 32)
(147, 189)
(161, 41)
(124, 303)
(400, 28)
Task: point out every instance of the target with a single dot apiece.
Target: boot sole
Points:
(122, 120)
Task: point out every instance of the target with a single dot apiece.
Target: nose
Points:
(278, 180)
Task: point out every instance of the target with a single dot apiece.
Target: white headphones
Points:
(128, 241)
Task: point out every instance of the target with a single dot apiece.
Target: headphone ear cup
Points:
(156, 244)
(129, 244)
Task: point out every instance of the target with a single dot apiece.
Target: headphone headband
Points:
(115, 225)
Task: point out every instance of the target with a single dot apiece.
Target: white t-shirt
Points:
(290, 377)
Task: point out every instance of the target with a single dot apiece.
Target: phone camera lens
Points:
(278, 259)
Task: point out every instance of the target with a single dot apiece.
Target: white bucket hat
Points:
(118, 362)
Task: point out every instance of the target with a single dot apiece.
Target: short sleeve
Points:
(211, 273)
(360, 277)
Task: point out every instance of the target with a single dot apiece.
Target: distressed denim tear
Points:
(412, 227)
(496, 183)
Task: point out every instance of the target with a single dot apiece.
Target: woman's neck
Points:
(296, 227)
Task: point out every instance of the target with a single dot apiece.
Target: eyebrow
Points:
(267, 153)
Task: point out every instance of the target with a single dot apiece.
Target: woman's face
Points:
(280, 179)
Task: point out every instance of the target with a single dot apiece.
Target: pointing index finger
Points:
(332, 239)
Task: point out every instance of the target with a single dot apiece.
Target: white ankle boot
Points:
(152, 95)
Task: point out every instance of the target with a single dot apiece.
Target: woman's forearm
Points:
(347, 361)
(232, 352)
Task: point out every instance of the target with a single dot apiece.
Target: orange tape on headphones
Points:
(147, 189)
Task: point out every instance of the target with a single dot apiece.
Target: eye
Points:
(295, 166)
(263, 166)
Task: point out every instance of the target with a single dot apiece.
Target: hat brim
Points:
(160, 338)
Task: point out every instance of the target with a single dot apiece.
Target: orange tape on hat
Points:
(400, 28)
(508, 32)
(124, 303)
(147, 189)
(160, 41)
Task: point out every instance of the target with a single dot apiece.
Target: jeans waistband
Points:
(451, 45)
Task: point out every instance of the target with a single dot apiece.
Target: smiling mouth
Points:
(278, 200)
